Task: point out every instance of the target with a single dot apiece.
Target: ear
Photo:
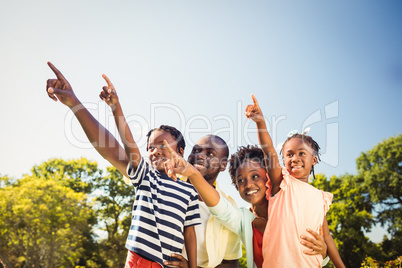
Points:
(180, 151)
(315, 160)
(224, 163)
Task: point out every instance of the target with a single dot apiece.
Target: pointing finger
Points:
(255, 102)
(167, 146)
(58, 74)
(109, 83)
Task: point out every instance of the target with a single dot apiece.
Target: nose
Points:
(247, 184)
(200, 156)
(156, 151)
(295, 158)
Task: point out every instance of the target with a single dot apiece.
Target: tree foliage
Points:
(52, 218)
(77, 174)
(114, 200)
(380, 169)
(42, 223)
(348, 217)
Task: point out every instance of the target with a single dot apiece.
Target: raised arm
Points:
(102, 140)
(109, 95)
(254, 113)
(177, 165)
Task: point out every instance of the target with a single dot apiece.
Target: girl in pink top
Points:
(294, 205)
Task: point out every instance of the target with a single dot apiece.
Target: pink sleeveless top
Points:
(296, 207)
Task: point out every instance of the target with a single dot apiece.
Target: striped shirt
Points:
(162, 208)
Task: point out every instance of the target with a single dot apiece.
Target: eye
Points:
(163, 146)
(302, 153)
(151, 148)
(210, 154)
(255, 177)
(240, 181)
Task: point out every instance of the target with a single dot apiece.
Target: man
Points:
(216, 245)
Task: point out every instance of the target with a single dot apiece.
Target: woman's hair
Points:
(309, 140)
(181, 144)
(243, 154)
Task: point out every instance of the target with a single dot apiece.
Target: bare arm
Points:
(254, 112)
(109, 95)
(101, 139)
(190, 241)
(332, 250)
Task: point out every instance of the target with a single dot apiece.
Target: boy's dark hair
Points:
(310, 141)
(245, 153)
(181, 144)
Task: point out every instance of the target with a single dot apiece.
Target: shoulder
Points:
(228, 210)
(225, 196)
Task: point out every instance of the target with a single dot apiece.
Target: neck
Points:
(212, 181)
(260, 210)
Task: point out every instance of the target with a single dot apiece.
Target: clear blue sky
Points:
(335, 66)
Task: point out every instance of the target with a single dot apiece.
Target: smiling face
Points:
(251, 178)
(209, 157)
(157, 153)
(298, 158)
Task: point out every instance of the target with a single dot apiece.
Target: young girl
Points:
(294, 205)
(248, 172)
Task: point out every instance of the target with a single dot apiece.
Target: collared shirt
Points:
(215, 242)
(220, 243)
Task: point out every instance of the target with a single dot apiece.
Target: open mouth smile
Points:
(251, 192)
(199, 165)
(297, 167)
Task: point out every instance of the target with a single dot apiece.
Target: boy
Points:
(164, 213)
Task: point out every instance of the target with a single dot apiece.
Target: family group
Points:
(180, 216)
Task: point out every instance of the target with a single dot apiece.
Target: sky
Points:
(333, 66)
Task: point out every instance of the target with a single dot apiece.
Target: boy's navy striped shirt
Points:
(162, 208)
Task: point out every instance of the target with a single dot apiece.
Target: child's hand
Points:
(60, 89)
(253, 111)
(317, 245)
(176, 164)
(182, 262)
(108, 94)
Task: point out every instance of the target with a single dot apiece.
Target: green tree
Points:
(77, 174)
(115, 199)
(348, 217)
(41, 223)
(381, 171)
